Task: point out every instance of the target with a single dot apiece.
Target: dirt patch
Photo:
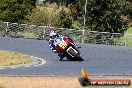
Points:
(46, 81)
(40, 82)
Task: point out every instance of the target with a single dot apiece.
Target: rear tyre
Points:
(73, 53)
(80, 59)
(76, 57)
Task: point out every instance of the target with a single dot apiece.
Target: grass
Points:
(121, 40)
(10, 58)
(129, 37)
(129, 31)
(48, 82)
(2, 86)
(27, 34)
(53, 8)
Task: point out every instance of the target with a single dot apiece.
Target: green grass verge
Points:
(129, 37)
(27, 34)
(129, 31)
(10, 58)
(121, 40)
(2, 86)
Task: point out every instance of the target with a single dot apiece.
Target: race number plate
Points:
(63, 44)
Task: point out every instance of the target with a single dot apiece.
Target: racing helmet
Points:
(52, 34)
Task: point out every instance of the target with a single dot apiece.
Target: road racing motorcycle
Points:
(70, 50)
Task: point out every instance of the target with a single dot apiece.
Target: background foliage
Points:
(15, 10)
(102, 15)
(49, 17)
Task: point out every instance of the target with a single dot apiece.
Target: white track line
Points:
(42, 63)
(28, 65)
(1, 68)
(13, 67)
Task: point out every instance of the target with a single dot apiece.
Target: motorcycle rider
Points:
(53, 35)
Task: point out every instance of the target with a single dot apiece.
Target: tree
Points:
(42, 17)
(64, 20)
(102, 15)
(15, 10)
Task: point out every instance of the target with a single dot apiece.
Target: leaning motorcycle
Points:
(64, 45)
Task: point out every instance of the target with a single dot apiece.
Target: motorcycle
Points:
(64, 45)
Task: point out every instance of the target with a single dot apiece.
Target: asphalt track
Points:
(99, 59)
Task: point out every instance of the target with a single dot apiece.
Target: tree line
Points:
(101, 15)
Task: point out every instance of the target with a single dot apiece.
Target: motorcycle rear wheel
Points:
(76, 57)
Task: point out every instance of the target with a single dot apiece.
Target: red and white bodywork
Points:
(64, 45)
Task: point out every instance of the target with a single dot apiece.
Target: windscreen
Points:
(57, 40)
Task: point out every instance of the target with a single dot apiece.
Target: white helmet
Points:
(52, 33)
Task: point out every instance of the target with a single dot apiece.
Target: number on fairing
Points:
(63, 44)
